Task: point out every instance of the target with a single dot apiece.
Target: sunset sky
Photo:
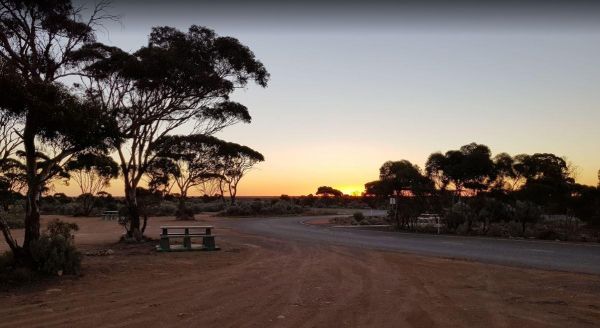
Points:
(354, 85)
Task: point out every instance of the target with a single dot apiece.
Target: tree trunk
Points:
(182, 211)
(32, 210)
(134, 231)
(87, 204)
(32, 217)
(232, 194)
(222, 196)
(12, 243)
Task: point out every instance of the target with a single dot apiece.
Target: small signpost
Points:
(392, 201)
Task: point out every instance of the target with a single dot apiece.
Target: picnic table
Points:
(186, 233)
(110, 215)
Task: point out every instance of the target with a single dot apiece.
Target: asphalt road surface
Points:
(564, 256)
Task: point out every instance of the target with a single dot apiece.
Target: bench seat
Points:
(183, 232)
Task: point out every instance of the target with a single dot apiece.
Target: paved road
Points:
(526, 253)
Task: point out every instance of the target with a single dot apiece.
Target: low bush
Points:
(15, 217)
(198, 208)
(55, 253)
(358, 217)
(14, 276)
(259, 207)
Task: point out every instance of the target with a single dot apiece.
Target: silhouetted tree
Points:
(38, 45)
(547, 179)
(405, 179)
(189, 161)
(470, 167)
(179, 77)
(328, 192)
(92, 173)
(234, 162)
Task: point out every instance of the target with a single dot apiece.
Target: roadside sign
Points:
(392, 201)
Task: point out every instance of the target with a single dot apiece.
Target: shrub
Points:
(15, 217)
(258, 207)
(55, 253)
(458, 217)
(11, 275)
(358, 217)
(495, 230)
(206, 207)
(6, 261)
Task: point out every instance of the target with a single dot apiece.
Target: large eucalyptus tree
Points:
(40, 43)
(179, 78)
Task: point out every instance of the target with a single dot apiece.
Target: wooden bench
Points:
(110, 215)
(186, 233)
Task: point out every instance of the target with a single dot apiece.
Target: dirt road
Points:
(268, 282)
(540, 254)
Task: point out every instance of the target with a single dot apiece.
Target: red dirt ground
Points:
(261, 282)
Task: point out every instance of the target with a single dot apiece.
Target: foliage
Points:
(38, 45)
(527, 213)
(457, 215)
(234, 162)
(470, 167)
(92, 173)
(328, 192)
(358, 216)
(259, 207)
(55, 253)
(178, 77)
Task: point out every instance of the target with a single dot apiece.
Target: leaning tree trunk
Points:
(134, 231)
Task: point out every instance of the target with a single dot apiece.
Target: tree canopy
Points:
(178, 77)
(328, 192)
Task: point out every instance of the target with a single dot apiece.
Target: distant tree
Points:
(92, 173)
(234, 162)
(328, 192)
(405, 180)
(178, 78)
(505, 173)
(434, 168)
(548, 180)
(209, 189)
(378, 188)
(192, 161)
(38, 45)
(470, 167)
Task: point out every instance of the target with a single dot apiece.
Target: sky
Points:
(354, 85)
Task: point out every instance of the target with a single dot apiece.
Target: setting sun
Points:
(352, 190)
